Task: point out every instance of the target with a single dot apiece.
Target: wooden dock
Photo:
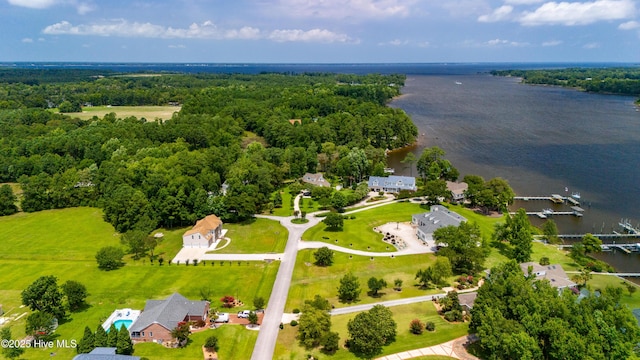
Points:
(627, 248)
(555, 198)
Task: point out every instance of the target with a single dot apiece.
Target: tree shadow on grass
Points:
(377, 295)
(503, 248)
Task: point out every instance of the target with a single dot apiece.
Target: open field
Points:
(309, 279)
(359, 231)
(288, 347)
(148, 112)
(63, 243)
(255, 236)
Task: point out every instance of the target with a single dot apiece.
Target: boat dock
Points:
(626, 248)
(555, 198)
(626, 225)
(545, 213)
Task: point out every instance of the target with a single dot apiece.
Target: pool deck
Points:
(121, 314)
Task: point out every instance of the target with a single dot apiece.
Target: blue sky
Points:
(320, 31)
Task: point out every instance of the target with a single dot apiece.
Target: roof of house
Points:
(393, 181)
(168, 312)
(457, 187)
(438, 217)
(315, 179)
(554, 273)
(468, 299)
(203, 226)
(104, 353)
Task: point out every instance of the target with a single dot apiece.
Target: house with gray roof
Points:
(316, 179)
(104, 353)
(392, 184)
(439, 216)
(554, 273)
(160, 317)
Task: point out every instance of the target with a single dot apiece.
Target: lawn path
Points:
(406, 251)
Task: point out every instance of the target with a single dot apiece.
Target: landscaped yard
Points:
(148, 112)
(256, 236)
(63, 243)
(309, 279)
(289, 348)
(358, 233)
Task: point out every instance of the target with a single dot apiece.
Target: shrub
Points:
(544, 261)
(416, 327)
(211, 343)
(109, 258)
(296, 311)
(430, 326)
(453, 315)
(294, 323)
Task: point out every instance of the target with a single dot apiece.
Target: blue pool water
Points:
(119, 323)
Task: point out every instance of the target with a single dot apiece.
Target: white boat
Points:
(575, 195)
(458, 83)
(547, 212)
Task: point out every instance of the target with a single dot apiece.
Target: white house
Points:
(204, 233)
(439, 216)
(457, 190)
(315, 179)
(392, 184)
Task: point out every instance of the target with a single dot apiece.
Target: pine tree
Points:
(124, 344)
(112, 338)
(86, 344)
(101, 337)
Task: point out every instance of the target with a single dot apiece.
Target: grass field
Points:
(257, 236)
(359, 231)
(289, 348)
(309, 280)
(148, 112)
(63, 243)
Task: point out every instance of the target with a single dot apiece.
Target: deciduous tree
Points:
(109, 258)
(314, 325)
(371, 330)
(334, 221)
(349, 289)
(376, 285)
(323, 256)
(76, 294)
(44, 295)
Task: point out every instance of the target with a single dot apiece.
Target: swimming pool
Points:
(118, 324)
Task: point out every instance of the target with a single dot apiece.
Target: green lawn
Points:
(359, 231)
(257, 236)
(236, 342)
(148, 112)
(307, 204)
(288, 348)
(601, 281)
(64, 246)
(309, 280)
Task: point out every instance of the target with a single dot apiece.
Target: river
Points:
(541, 139)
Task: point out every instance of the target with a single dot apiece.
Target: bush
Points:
(453, 315)
(430, 326)
(544, 261)
(416, 327)
(109, 258)
(296, 311)
(294, 323)
(211, 343)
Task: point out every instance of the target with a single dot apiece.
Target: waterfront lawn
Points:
(598, 282)
(309, 279)
(288, 347)
(236, 342)
(359, 231)
(254, 236)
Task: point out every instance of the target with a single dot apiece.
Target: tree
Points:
(314, 324)
(497, 196)
(463, 246)
(370, 331)
(258, 302)
(591, 244)
(323, 256)
(40, 324)
(136, 241)
(376, 285)
(349, 289)
(434, 190)
(253, 318)
(211, 344)
(397, 284)
(334, 221)
(517, 231)
(124, 345)
(339, 201)
(331, 343)
(10, 351)
(416, 326)
(441, 270)
(109, 258)
(112, 336)
(7, 201)
(101, 337)
(428, 158)
(181, 333)
(44, 295)
(76, 294)
(410, 159)
(319, 303)
(550, 231)
(451, 307)
(424, 277)
(87, 343)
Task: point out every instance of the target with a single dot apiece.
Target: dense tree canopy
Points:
(369, 331)
(516, 317)
(463, 246)
(45, 296)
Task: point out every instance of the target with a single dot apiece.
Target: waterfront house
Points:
(555, 274)
(439, 216)
(315, 179)
(392, 184)
(204, 233)
(160, 317)
(457, 190)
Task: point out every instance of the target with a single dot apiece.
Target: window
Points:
(142, 333)
(150, 333)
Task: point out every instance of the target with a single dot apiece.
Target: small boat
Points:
(547, 212)
(575, 195)
(458, 83)
(389, 170)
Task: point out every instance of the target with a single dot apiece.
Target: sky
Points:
(320, 31)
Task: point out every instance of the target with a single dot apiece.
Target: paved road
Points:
(405, 251)
(266, 343)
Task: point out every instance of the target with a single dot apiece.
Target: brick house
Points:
(160, 317)
(204, 233)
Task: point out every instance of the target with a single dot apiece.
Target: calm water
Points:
(541, 139)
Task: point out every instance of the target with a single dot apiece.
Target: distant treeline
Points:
(169, 172)
(620, 81)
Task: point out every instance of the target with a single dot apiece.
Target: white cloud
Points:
(629, 25)
(180, 46)
(579, 13)
(205, 30)
(498, 14)
(314, 35)
(27, 40)
(552, 43)
(341, 9)
(590, 46)
(523, 2)
(395, 42)
(81, 7)
(503, 42)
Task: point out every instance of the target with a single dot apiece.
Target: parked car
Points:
(222, 318)
(244, 314)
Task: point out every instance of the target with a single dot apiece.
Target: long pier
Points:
(627, 248)
(555, 198)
